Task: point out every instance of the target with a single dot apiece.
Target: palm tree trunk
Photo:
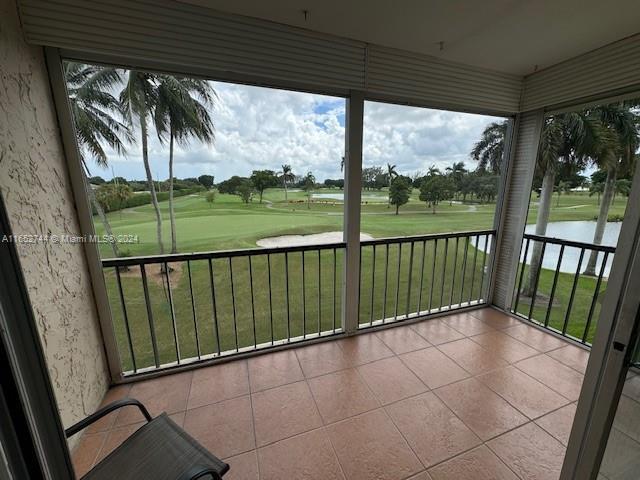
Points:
(544, 208)
(607, 197)
(103, 218)
(152, 187)
(284, 181)
(172, 216)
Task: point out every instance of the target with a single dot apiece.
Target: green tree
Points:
(263, 179)
(211, 197)
(245, 190)
(112, 196)
(456, 172)
(206, 181)
(615, 154)
(286, 174)
(96, 115)
(139, 98)
(562, 187)
(399, 192)
(489, 150)
(181, 113)
(391, 175)
(436, 188)
(308, 185)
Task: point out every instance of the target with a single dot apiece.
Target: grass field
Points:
(230, 224)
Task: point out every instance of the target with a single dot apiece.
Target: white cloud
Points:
(260, 128)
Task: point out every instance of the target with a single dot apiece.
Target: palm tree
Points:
(181, 113)
(287, 176)
(489, 150)
(391, 174)
(308, 184)
(566, 137)
(456, 172)
(139, 98)
(92, 107)
(615, 156)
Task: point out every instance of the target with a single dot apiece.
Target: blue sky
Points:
(261, 128)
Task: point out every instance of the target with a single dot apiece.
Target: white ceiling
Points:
(512, 36)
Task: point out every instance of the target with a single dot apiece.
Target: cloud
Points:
(261, 128)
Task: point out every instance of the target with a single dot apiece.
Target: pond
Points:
(340, 197)
(577, 231)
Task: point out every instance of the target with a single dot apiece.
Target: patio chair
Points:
(159, 450)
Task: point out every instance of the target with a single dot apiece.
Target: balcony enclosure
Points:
(399, 351)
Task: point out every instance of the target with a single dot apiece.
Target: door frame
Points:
(611, 352)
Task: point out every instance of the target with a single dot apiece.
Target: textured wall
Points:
(35, 186)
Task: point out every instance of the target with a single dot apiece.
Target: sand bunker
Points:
(313, 239)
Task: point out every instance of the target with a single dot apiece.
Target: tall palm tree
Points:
(489, 150)
(287, 176)
(567, 137)
(181, 113)
(456, 171)
(93, 109)
(616, 156)
(391, 174)
(308, 184)
(139, 98)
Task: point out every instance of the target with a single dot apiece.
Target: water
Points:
(340, 197)
(579, 231)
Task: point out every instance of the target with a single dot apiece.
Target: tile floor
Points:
(475, 396)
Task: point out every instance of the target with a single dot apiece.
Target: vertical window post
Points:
(352, 194)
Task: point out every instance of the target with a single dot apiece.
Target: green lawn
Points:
(230, 224)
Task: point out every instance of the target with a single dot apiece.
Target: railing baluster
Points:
(424, 248)
(126, 320)
(524, 263)
(152, 326)
(304, 306)
(453, 276)
(253, 310)
(475, 267)
(286, 280)
(596, 293)
(233, 302)
(484, 264)
(444, 271)
(410, 279)
(553, 287)
(335, 281)
(433, 274)
(373, 285)
(395, 313)
(386, 275)
(464, 269)
(319, 294)
(270, 297)
(536, 280)
(213, 305)
(573, 292)
(173, 313)
(193, 310)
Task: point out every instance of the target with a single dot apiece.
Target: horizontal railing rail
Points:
(407, 277)
(560, 283)
(170, 310)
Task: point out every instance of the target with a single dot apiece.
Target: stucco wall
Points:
(35, 185)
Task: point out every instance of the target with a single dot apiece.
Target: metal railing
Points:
(553, 289)
(407, 277)
(170, 310)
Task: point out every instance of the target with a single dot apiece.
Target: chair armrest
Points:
(82, 424)
(198, 471)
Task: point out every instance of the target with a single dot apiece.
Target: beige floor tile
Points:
(505, 346)
(433, 367)
(243, 467)
(530, 452)
(474, 358)
(369, 447)
(273, 369)
(572, 356)
(283, 412)
(364, 348)
(534, 337)
(341, 395)
(431, 428)
(436, 332)
(466, 324)
(477, 464)
(86, 452)
(402, 339)
(105, 423)
(564, 380)
(494, 318)
(217, 383)
(390, 380)
(558, 424)
(481, 409)
(322, 358)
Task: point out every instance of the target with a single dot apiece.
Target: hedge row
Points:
(139, 199)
